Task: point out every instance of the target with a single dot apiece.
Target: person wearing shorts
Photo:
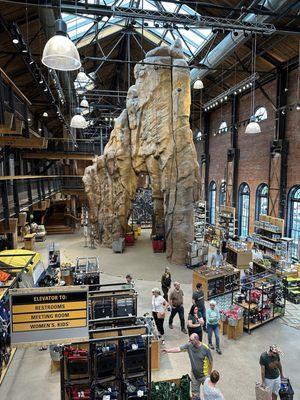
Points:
(271, 370)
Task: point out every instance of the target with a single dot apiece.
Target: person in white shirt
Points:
(217, 259)
(210, 391)
(159, 306)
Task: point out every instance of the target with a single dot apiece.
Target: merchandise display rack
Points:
(115, 302)
(264, 301)
(267, 236)
(214, 235)
(292, 289)
(217, 281)
(108, 365)
(200, 219)
(238, 254)
(227, 221)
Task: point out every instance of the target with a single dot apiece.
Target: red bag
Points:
(76, 393)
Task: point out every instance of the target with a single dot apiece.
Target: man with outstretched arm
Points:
(201, 362)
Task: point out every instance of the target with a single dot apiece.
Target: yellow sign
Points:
(59, 315)
(34, 326)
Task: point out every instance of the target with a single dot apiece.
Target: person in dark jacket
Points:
(195, 321)
(166, 281)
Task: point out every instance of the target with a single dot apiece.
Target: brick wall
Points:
(255, 150)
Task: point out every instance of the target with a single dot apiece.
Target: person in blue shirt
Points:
(212, 323)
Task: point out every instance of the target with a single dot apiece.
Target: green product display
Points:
(169, 390)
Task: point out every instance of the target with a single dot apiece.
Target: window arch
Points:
(244, 209)
(261, 114)
(198, 135)
(212, 202)
(262, 200)
(223, 128)
(222, 194)
(294, 218)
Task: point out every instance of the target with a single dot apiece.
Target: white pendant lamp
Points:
(60, 52)
(78, 121)
(82, 77)
(45, 114)
(253, 126)
(84, 103)
(198, 84)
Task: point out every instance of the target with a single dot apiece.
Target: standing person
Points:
(217, 259)
(176, 302)
(212, 320)
(195, 322)
(224, 249)
(201, 362)
(166, 282)
(198, 300)
(129, 282)
(271, 370)
(210, 391)
(159, 306)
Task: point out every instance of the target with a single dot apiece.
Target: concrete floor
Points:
(29, 375)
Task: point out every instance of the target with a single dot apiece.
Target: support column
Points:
(279, 151)
(232, 158)
(204, 162)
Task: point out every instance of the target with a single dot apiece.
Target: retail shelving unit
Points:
(104, 366)
(214, 235)
(264, 301)
(238, 255)
(292, 287)
(227, 221)
(216, 281)
(200, 219)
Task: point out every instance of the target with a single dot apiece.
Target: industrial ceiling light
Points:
(84, 103)
(298, 107)
(253, 127)
(60, 52)
(198, 84)
(78, 121)
(82, 77)
(45, 114)
(15, 41)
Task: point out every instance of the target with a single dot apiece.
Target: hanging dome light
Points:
(253, 127)
(84, 103)
(198, 84)
(82, 77)
(45, 114)
(60, 52)
(78, 121)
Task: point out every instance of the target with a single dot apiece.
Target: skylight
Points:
(192, 39)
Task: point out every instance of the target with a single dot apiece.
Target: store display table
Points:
(29, 240)
(239, 258)
(216, 281)
(233, 332)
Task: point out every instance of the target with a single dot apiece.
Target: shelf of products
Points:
(200, 219)
(214, 235)
(292, 286)
(238, 254)
(197, 254)
(227, 221)
(115, 368)
(262, 299)
(216, 281)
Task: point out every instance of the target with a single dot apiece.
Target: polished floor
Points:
(29, 376)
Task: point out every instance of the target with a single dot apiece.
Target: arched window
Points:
(262, 200)
(244, 209)
(212, 202)
(198, 135)
(294, 218)
(261, 114)
(222, 194)
(223, 127)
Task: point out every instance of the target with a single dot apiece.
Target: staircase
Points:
(55, 224)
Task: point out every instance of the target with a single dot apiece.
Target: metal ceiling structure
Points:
(112, 35)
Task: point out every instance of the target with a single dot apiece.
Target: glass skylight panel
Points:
(170, 7)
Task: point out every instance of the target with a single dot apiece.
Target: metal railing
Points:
(19, 193)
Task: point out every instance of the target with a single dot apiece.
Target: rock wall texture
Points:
(152, 135)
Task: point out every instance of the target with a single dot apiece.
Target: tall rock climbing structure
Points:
(152, 135)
